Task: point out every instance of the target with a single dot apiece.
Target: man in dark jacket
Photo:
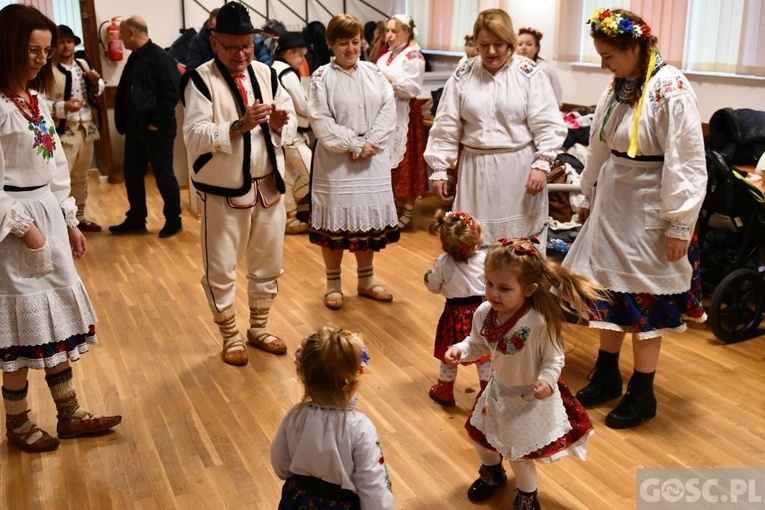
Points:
(144, 111)
(200, 50)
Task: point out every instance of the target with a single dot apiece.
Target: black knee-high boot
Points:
(638, 404)
(605, 380)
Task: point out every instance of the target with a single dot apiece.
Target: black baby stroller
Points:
(732, 239)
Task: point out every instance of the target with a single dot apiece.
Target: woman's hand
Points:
(676, 249)
(536, 182)
(33, 239)
(441, 189)
(583, 214)
(452, 356)
(369, 150)
(77, 242)
(542, 390)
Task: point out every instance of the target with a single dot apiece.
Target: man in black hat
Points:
(236, 118)
(74, 107)
(144, 111)
(290, 55)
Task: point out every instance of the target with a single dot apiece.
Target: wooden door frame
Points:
(93, 51)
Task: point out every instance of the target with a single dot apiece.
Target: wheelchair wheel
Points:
(737, 305)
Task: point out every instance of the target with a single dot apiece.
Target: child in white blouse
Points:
(457, 274)
(526, 412)
(327, 451)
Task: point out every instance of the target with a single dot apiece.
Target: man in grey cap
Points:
(236, 118)
(73, 106)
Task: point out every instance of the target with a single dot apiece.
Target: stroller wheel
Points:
(737, 305)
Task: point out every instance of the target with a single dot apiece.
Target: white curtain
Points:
(751, 56)
(586, 49)
(62, 12)
(714, 32)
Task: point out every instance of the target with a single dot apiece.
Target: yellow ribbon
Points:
(632, 151)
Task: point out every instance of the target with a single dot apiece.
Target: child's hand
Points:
(542, 390)
(452, 356)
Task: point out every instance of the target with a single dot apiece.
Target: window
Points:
(714, 36)
(62, 12)
(440, 24)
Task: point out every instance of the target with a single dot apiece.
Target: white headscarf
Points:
(408, 22)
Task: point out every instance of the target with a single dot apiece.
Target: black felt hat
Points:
(290, 40)
(65, 31)
(233, 19)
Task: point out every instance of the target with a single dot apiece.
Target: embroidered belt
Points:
(637, 158)
(322, 489)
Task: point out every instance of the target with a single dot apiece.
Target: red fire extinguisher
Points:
(114, 43)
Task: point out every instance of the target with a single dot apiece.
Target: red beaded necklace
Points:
(29, 109)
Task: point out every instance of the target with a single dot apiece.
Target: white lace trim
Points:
(643, 335)
(354, 219)
(19, 222)
(43, 317)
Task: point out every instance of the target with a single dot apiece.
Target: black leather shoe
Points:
(605, 381)
(491, 479)
(128, 227)
(526, 501)
(170, 229)
(638, 404)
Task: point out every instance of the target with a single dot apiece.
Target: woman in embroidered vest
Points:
(503, 112)
(352, 112)
(646, 155)
(404, 67)
(46, 317)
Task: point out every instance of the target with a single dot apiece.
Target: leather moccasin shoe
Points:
(377, 293)
(72, 426)
(334, 300)
(89, 226)
(46, 443)
(277, 346)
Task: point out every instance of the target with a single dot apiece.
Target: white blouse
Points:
(539, 359)
(457, 279)
(337, 445)
(30, 158)
(407, 67)
(637, 204)
(509, 110)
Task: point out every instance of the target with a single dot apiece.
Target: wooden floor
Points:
(196, 432)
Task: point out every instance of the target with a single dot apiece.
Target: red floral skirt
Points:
(410, 177)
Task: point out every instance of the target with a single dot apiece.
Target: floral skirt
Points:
(410, 177)
(48, 355)
(374, 240)
(650, 315)
(309, 493)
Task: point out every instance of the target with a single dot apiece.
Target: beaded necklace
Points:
(494, 331)
(29, 109)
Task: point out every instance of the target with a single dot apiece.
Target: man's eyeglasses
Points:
(35, 53)
(247, 49)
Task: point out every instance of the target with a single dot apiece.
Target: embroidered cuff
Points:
(680, 231)
(70, 217)
(439, 175)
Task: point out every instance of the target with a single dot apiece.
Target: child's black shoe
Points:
(491, 479)
(526, 501)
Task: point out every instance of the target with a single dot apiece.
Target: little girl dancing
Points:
(526, 412)
(458, 275)
(326, 450)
